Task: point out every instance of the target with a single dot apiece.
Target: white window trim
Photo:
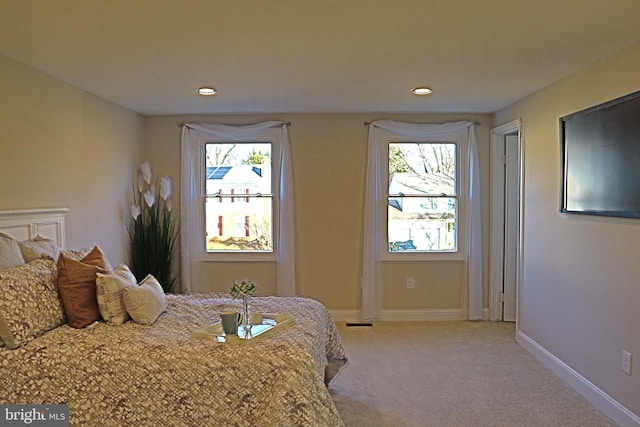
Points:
(269, 136)
(198, 211)
(462, 168)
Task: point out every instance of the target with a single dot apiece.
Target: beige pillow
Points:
(109, 290)
(34, 248)
(146, 302)
(29, 302)
(77, 287)
(10, 255)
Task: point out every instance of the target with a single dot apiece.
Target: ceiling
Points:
(320, 56)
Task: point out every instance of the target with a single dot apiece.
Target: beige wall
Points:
(581, 286)
(61, 146)
(329, 155)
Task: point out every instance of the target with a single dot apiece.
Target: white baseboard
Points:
(345, 315)
(404, 315)
(598, 398)
(421, 315)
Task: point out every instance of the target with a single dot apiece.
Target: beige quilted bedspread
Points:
(159, 375)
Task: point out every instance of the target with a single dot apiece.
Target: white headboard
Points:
(24, 224)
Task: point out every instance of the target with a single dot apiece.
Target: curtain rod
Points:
(365, 123)
(474, 122)
(182, 124)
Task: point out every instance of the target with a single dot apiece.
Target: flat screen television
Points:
(601, 159)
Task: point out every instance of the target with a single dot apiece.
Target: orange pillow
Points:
(77, 287)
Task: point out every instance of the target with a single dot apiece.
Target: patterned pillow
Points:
(110, 288)
(77, 287)
(78, 254)
(29, 302)
(34, 248)
(146, 302)
(10, 255)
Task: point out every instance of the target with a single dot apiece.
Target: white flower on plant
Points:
(165, 187)
(140, 182)
(135, 211)
(149, 197)
(145, 169)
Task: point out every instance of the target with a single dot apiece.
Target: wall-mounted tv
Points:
(601, 159)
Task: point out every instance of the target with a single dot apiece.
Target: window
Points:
(422, 197)
(237, 209)
(435, 217)
(238, 199)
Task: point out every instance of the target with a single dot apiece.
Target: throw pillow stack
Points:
(42, 286)
(121, 298)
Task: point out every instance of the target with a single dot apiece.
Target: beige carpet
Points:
(451, 374)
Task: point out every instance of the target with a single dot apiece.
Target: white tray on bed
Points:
(269, 323)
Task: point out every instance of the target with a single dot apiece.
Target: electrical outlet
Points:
(626, 362)
(411, 283)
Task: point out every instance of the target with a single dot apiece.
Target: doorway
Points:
(506, 190)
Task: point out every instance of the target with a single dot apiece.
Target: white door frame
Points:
(497, 219)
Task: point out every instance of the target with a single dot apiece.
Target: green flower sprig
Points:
(243, 288)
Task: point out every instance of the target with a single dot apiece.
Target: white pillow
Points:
(10, 254)
(145, 302)
(109, 291)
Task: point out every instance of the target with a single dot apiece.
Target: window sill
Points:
(237, 257)
(423, 257)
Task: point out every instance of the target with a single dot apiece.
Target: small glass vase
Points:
(246, 316)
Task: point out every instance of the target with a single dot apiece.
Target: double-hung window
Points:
(236, 200)
(231, 194)
(238, 197)
(422, 197)
(421, 204)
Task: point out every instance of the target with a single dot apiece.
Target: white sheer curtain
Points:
(194, 136)
(380, 133)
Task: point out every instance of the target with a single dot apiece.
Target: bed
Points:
(160, 374)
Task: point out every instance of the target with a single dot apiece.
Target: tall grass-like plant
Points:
(153, 229)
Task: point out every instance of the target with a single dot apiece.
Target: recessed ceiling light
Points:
(206, 91)
(421, 90)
